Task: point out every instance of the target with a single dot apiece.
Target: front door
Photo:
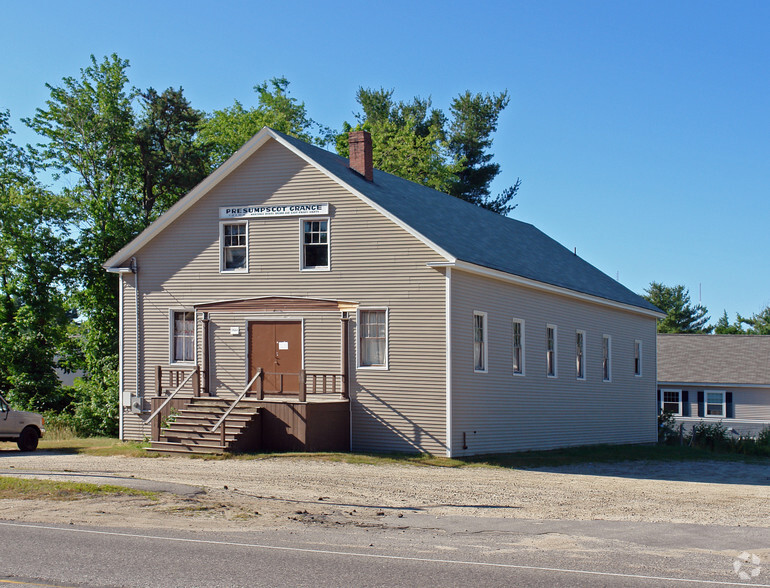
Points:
(276, 347)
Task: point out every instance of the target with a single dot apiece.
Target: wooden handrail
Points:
(312, 383)
(237, 400)
(168, 399)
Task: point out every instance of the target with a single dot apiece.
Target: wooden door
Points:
(276, 347)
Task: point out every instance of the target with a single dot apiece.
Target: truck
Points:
(26, 428)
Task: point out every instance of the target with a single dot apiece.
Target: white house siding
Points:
(500, 412)
(373, 262)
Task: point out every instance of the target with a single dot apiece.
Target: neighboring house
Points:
(716, 378)
(431, 324)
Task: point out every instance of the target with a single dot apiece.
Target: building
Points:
(716, 378)
(436, 326)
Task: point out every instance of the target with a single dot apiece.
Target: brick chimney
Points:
(360, 144)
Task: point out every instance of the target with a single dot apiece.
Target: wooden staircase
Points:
(190, 430)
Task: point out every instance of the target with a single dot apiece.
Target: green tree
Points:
(758, 324)
(681, 315)
(473, 121)
(723, 326)
(33, 318)
(228, 129)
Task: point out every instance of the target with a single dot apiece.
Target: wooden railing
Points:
(223, 420)
(307, 384)
(193, 375)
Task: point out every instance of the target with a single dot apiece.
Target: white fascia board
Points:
(542, 286)
(387, 214)
(710, 385)
(191, 198)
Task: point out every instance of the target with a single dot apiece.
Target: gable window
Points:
(580, 355)
(479, 341)
(637, 358)
(234, 245)
(715, 404)
(372, 338)
(182, 337)
(518, 347)
(606, 358)
(671, 402)
(550, 350)
(315, 244)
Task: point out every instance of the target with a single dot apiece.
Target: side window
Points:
(182, 336)
(518, 347)
(580, 354)
(315, 244)
(372, 338)
(671, 402)
(637, 358)
(479, 341)
(715, 404)
(606, 358)
(234, 247)
(550, 350)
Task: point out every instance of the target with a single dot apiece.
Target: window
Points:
(671, 402)
(715, 404)
(372, 338)
(479, 341)
(315, 244)
(637, 358)
(234, 241)
(518, 347)
(580, 354)
(550, 350)
(606, 358)
(182, 336)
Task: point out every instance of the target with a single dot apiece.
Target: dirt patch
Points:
(279, 492)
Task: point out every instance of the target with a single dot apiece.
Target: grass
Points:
(26, 489)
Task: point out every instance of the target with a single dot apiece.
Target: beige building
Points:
(348, 308)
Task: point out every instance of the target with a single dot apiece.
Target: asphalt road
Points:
(424, 551)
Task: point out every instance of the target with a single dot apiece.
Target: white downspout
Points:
(448, 329)
(135, 269)
(121, 388)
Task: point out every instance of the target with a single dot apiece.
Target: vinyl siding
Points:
(751, 404)
(373, 262)
(501, 412)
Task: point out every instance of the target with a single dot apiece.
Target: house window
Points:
(671, 402)
(550, 350)
(372, 338)
(480, 341)
(637, 358)
(234, 241)
(606, 358)
(182, 337)
(518, 347)
(315, 244)
(715, 404)
(580, 355)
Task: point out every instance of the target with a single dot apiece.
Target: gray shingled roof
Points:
(714, 359)
(475, 235)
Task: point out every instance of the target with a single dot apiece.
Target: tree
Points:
(723, 326)
(681, 316)
(473, 120)
(759, 324)
(228, 129)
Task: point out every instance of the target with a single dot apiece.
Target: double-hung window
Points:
(580, 354)
(479, 341)
(671, 402)
(606, 358)
(518, 347)
(234, 247)
(182, 337)
(637, 358)
(715, 404)
(550, 350)
(373, 338)
(315, 244)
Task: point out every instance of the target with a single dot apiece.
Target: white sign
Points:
(321, 208)
(235, 330)
(283, 345)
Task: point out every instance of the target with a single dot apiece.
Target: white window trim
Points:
(381, 368)
(171, 360)
(607, 338)
(555, 351)
(325, 268)
(638, 342)
(584, 377)
(485, 346)
(523, 348)
(662, 400)
(706, 404)
(239, 270)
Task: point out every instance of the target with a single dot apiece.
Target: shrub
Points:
(711, 436)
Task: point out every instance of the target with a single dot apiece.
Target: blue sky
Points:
(640, 130)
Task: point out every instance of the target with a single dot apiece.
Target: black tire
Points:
(28, 439)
